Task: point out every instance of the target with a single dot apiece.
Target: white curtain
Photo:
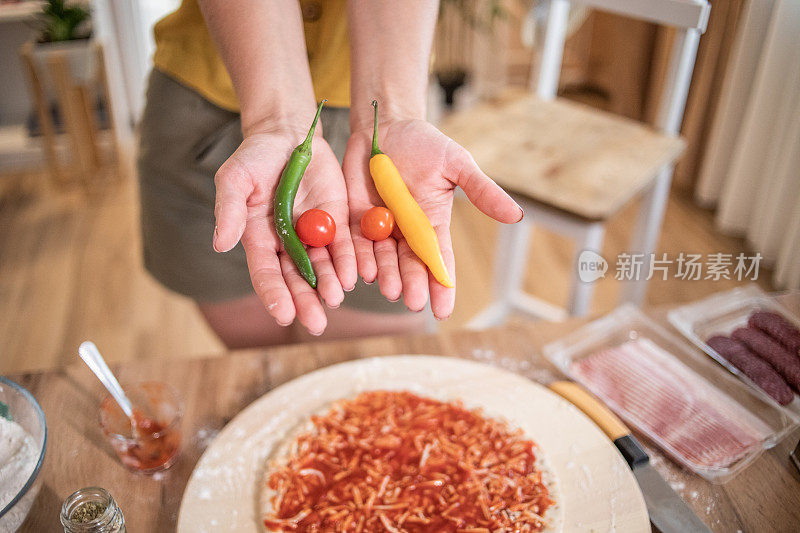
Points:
(751, 168)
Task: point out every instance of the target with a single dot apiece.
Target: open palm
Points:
(244, 210)
(432, 165)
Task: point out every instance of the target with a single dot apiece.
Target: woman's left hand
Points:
(432, 165)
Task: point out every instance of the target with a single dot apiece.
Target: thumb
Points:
(234, 187)
(481, 190)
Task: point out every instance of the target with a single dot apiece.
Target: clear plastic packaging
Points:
(722, 313)
(673, 421)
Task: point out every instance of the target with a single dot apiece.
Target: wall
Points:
(14, 101)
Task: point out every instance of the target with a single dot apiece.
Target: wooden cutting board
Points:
(594, 488)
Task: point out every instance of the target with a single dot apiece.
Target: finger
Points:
(328, 285)
(481, 190)
(359, 191)
(265, 271)
(443, 299)
(323, 170)
(306, 302)
(414, 275)
(342, 252)
(344, 259)
(365, 255)
(234, 186)
(389, 280)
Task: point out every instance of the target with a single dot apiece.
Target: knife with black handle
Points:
(666, 509)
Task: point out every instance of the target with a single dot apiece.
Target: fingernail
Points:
(284, 324)
(441, 319)
(216, 236)
(316, 334)
(395, 300)
(521, 213)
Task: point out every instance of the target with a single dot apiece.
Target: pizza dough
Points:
(596, 490)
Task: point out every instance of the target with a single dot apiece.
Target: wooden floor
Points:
(70, 270)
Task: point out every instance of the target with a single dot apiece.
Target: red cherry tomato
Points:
(377, 223)
(316, 228)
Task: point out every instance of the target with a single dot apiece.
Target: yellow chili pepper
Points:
(408, 215)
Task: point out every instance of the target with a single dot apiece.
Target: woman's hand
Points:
(244, 210)
(432, 165)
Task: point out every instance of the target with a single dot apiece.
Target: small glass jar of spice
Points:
(92, 510)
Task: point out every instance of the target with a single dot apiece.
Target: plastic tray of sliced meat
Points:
(750, 334)
(697, 412)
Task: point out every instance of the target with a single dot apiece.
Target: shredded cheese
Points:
(397, 462)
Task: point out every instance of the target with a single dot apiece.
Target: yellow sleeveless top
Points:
(185, 51)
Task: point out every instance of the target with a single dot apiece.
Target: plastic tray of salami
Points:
(678, 398)
(717, 319)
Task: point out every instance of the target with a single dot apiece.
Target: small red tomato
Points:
(377, 223)
(316, 228)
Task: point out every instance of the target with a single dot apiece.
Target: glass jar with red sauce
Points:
(152, 442)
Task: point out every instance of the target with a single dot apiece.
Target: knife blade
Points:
(668, 512)
(795, 455)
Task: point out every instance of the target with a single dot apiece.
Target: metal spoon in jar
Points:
(91, 356)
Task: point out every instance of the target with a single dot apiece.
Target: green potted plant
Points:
(66, 27)
(64, 22)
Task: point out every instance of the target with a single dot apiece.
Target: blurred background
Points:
(72, 90)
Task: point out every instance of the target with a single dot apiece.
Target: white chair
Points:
(572, 167)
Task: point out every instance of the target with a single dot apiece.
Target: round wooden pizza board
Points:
(594, 488)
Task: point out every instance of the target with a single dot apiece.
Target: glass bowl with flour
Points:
(23, 438)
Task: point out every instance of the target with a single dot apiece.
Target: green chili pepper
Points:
(284, 204)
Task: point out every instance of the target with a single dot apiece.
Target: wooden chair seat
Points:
(563, 154)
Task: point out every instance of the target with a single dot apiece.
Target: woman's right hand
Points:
(246, 185)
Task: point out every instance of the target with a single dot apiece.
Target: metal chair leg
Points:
(511, 257)
(670, 116)
(580, 296)
(646, 234)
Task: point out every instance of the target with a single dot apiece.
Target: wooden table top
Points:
(764, 497)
